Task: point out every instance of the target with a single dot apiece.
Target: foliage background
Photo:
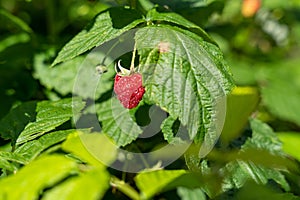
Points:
(262, 52)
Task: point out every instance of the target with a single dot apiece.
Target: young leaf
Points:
(154, 182)
(29, 181)
(49, 116)
(106, 26)
(93, 148)
(291, 143)
(150, 183)
(117, 122)
(185, 76)
(94, 183)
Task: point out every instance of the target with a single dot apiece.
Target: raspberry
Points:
(129, 89)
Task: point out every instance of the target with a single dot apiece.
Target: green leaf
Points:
(93, 148)
(191, 194)
(14, 157)
(185, 76)
(30, 150)
(290, 143)
(150, 183)
(240, 104)
(281, 90)
(263, 137)
(106, 26)
(16, 120)
(238, 172)
(262, 193)
(4, 164)
(49, 116)
(90, 185)
(154, 182)
(42, 173)
(175, 18)
(75, 76)
(117, 122)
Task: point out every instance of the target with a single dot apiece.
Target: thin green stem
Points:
(124, 188)
(133, 59)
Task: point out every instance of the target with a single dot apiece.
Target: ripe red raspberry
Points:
(129, 89)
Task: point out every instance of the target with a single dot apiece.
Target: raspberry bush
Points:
(147, 99)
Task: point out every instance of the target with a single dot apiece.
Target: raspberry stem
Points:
(132, 59)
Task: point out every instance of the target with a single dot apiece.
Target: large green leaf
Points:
(90, 185)
(106, 26)
(185, 76)
(117, 122)
(49, 116)
(29, 181)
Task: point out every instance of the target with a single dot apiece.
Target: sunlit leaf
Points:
(185, 76)
(29, 181)
(93, 148)
(290, 143)
(90, 185)
(151, 183)
(106, 26)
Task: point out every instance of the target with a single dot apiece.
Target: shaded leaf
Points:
(16, 120)
(262, 193)
(32, 149)
(49, 116)
(75, 76)
(191, 194)
(281, 90)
